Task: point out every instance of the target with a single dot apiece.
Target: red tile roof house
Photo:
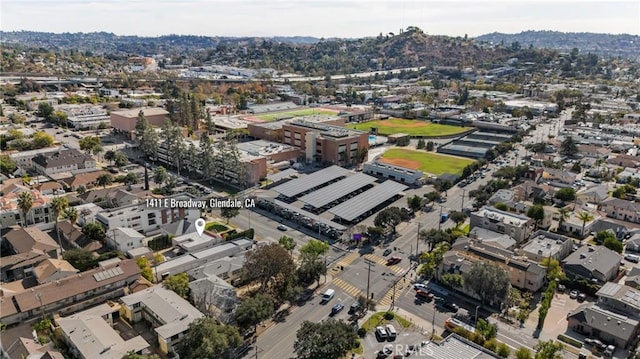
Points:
(71, 294)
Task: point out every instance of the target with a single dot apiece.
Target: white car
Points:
(419, 286)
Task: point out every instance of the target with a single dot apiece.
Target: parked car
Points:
(418, 286)
(582, 297)
(381, 334)
(393, 260)
(449, 306)
(608, 352)
(354, 308)
(632, 258)
(596, 343)
(386, 252)
(573, 294)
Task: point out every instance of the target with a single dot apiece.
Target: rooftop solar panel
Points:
(299, 185)
(367, 200)
(334, 191)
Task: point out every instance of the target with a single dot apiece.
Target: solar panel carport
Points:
(367, 200)
(303, 184)
(337, 190)
(313, 217)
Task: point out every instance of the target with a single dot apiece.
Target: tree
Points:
(486, 329)
(314, 248)
(71, 214)
(90, 143)
(94, 232)
(329, 339)
(388, 218)
(501, 206)
(613, 243)
(58, 206)
(563, 215)
(491, 283)
(160, 175)
(414, 203)
(548, 350)
(45, 110)
(287, 243)
(566, 194)
(430, 146)
(205, 338)
(584, 217)
(41, 139)
(457, 217)
(536, 212)
(25, 202)
(120, 159)
(568, 147)
(145, 268)
(310, 270)
(141, 126)
(7, 165)
(432, 196)
(254, 310)
(104, 180)
(523, 353)
(80, 259)
(110, 156)
(130, 178)
(179, 283)
(229, 212)
(132, 355)
(554, 270)
(270, 265)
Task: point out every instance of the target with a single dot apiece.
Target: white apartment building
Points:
(518, 227)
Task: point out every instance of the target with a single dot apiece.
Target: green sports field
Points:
(293, 113)
(428, 162)
(411, 127)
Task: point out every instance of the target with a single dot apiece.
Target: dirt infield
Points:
(402, 162)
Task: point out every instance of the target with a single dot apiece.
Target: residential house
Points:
(494, 239)
(545, 244)
(558, 175)
(574, 225)
(123, 239)
(85, 180)
(69, 294)
(214, 296)
(29, 246)
(90, 334)
(620, 298)
(523, 274)
(612, 328)
(454, 346)
(69, 160)
(621, 209)
(49, 188)
(624, 161)
(592, 263)
(502, 196)
(51, 269)
(633, 243)
(29, 348)
(24, 159)
(518, 227)
(593, 194)
(11, 214)
(168, 313)
(633, 278)
(593, 151)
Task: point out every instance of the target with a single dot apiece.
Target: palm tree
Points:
(585, 217)
(58, 206)
(71, 214)
(563, 216)
(25, 202)
(104, 180)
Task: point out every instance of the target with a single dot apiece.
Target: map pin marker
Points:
(200, 226)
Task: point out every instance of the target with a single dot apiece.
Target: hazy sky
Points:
(319, 18)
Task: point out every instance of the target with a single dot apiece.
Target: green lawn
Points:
(294, 113)
(428, 162)
(411, 127)
(377, 319)
(218, 227)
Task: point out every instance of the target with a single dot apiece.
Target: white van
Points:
(391, 332)
(328, 295)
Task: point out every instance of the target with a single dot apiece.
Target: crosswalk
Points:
(348, 288)
(344, 261)
(388, 298)
(383, 261)
(559, 301)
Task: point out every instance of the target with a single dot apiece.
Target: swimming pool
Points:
(372, 138)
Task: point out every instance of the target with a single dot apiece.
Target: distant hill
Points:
(624, 45)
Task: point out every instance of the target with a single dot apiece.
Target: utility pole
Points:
(369, 263)
(393, 297)
(440, 219)
(418, 241)
(462, 204)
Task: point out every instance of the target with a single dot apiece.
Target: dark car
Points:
(386, 252)
(393, 260)
(424, 295)
(354, 308)
(450, 306)
(337, 308)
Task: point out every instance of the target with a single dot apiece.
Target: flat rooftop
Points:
(367, 200)
(300, 185)
(337, 190)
